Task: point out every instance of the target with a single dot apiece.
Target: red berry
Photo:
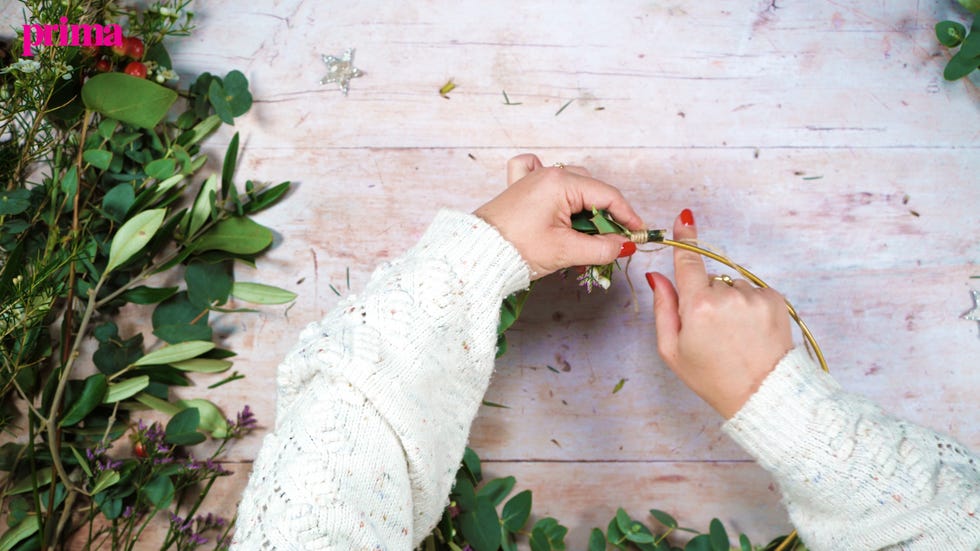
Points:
(136, 69)
(103, 65)
(134, 47)
(139, 449)
(119, 49)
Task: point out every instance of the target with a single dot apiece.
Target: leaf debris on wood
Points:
(507, 99)
(567, 103)
(449, 86)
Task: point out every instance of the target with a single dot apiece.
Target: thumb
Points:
(592, 250)
(665, 315)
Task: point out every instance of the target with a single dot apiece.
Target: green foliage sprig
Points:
(102, 190)
(475, 521)
(953, 34)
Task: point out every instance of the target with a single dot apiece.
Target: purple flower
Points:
(244, 423)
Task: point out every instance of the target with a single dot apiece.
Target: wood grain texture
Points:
(816, 143)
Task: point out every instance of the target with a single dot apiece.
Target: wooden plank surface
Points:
(803, 136)
(816, 143)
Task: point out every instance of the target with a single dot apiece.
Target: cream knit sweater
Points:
(376, 401)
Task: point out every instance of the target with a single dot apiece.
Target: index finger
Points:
(689, 270)
(589, 192)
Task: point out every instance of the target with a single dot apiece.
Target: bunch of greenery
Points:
(474, 521)
(953, 34)
(102, 189)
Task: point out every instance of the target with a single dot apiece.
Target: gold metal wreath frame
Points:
(659, 236)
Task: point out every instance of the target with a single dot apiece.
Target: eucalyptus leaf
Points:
(497, 489)
(160, 169)
(175, 353)
(259, 293)
(159, 492)
(597, 541)
(208, 284)
(481, 526)
(15, 201)
(718, 536)
(99, 158)
(663, 518)
(182, 428)
(126, 389)
(699, 543)
(118, 200)
(950, 33)
(132, 100)
(177, 320)
(92, 394)
(217, 97)
(133, 236)
(517, 510)
(149, 295)
(235, 86)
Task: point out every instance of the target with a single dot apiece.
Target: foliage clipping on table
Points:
(103, 188)
(483, 516)
(953, 34)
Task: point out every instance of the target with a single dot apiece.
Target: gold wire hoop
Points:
(807, 335)
(790, 541)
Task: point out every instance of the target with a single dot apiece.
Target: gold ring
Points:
(726, 279)
(559, 165)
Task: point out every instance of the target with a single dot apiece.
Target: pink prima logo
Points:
(70, 35)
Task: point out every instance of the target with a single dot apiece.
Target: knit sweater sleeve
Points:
(375, 402)
(852, 476)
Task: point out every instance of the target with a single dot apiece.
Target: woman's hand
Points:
(722, 340)
(534, 214)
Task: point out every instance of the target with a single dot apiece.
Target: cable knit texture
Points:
(376, 401)
(853, 477)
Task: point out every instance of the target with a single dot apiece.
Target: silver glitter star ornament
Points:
(341, 70)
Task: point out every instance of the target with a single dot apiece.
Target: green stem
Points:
(59, 393)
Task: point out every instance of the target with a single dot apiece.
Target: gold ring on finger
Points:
(725, 278)
(559, 165)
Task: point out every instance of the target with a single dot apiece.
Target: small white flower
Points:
(23, 65)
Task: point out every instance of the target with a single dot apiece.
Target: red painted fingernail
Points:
(653, 286)
(627, 249)
(687, 217)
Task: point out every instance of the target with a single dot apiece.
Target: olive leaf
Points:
(259, 293)
(175, 353)
(133, 236)
(126, 389)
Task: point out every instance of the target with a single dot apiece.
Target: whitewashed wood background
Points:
(816, 143)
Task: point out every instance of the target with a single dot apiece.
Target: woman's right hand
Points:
(721, 340)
